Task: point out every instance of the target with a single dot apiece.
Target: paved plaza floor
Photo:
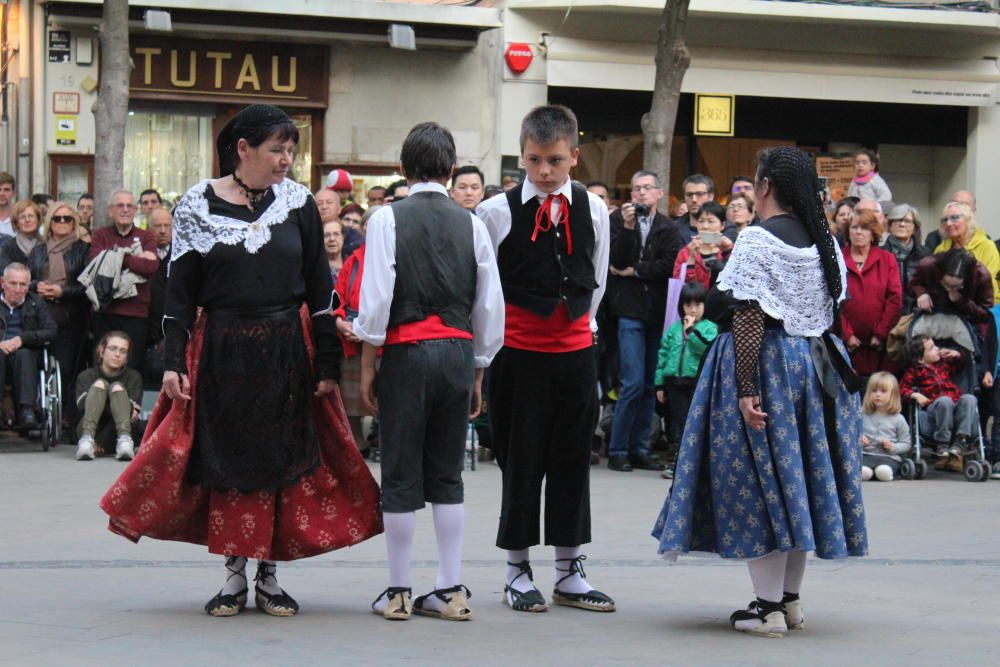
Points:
(72, 594)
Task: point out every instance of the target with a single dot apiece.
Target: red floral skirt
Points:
(335, 506)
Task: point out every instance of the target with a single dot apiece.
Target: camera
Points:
(641, 210)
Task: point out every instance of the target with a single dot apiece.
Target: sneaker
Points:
(995, 474)
(86, 449)
(761, 618)
(124, 448)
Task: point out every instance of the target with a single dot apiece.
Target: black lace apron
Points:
(254, 427)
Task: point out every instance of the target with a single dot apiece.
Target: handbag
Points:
(896, 342)
(674, 287)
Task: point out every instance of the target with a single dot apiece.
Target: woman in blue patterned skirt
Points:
(769, 467)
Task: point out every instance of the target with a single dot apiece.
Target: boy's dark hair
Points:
(739, 179)
(699, 179)
(390, 190)
(151, 191)
(545, 125)
(713, 208)
(914, 350)
(85, 195)
(376, 188)
(693, 292)
(428, 153)
(468, 169)
(602, 184)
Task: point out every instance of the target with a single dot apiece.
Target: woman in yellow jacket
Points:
(958, 225)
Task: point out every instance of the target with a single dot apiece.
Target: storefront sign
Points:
(240, 72)
(66, 130)
(839, 171)
(518, 56)
(715, 115)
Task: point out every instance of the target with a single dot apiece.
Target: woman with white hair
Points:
(958, 224)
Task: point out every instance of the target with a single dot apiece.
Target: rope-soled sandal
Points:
(281, 604)
(592, 600)
(400, 604)
(456, 606)
(222, 606)
(531, 601)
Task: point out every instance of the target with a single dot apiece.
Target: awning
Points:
(789, 74)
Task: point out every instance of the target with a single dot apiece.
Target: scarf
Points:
(861, 180)
(26, 244)
(57, 263)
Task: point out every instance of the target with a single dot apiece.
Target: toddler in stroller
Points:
(949, 416)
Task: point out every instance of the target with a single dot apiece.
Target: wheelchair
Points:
(50, 400)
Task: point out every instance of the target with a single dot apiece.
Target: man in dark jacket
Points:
(26, 326)
(644, 245)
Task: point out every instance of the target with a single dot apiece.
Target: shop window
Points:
(302, 167)
(168, 152)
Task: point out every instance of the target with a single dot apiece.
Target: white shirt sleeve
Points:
(495, 214)
(379, 278)
(488, 308)
(602, 249)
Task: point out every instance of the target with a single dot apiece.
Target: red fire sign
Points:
(518, 56)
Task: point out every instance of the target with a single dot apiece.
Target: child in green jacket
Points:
(682, 350)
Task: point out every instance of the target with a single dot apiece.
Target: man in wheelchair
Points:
(949, 416)
(25, 327)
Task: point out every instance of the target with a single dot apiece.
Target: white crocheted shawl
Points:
(786, 281)
(197, 229)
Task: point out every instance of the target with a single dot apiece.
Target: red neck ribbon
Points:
(544, 221)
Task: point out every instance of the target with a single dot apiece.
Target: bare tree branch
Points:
(111, 107)
(672, 62)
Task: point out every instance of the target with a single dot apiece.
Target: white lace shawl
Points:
(197, 229)
(786, 281)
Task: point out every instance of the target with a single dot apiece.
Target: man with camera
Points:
(644, 245)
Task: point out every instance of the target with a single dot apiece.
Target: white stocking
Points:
(795, 570)
(400, 528)
(768, 575)
(236, 575)
(574, 583)
(449, 523)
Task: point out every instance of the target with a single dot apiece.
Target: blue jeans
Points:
(638, 345)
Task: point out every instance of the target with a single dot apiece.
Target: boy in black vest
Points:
(552, 240)
(431, 296)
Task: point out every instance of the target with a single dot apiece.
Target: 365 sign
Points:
(715, 115)
(518, 56)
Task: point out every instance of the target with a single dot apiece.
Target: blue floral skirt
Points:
(793, 486)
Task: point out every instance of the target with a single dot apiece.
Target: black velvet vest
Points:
(435, 261)
(537, 275)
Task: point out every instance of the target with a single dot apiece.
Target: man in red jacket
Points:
(128, 315)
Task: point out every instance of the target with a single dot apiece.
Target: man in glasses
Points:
(130, 314)
(644, 245)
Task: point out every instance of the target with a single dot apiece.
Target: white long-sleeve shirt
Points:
(495, 212)
(379, 283)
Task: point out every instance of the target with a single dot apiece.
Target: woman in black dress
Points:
(242, 453)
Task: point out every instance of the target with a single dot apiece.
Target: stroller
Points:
(952, 332)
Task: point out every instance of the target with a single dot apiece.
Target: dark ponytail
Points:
(797, 189)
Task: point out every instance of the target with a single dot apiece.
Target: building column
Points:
(983, 164)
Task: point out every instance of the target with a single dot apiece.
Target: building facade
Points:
(328, 64)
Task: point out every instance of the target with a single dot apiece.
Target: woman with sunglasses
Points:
(55, 265)
(959, 228)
